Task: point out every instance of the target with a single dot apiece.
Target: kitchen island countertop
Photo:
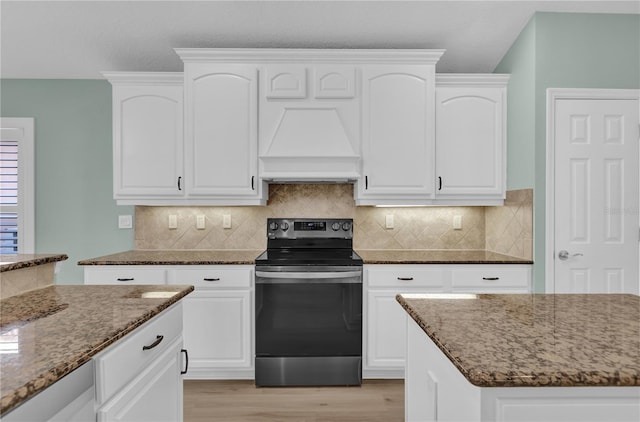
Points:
(534, 340)
(19, 261)
(51, 331)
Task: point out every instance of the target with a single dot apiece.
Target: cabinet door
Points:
(221, 130)
(147, 141)
(155, 395)
(398, 131)
(470, 146)
(217, 332)
(386, 323)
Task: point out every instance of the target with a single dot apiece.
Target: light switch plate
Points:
(173, 221)
(125, 222)
(200, 219)
(226, 221)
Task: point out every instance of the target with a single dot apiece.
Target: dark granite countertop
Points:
(56, 329)
(437, 256)
(248, 256)
(535, 340)
(16, 262)
(178, 257)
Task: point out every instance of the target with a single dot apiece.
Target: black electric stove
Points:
(308, 304)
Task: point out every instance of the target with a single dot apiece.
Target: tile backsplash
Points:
(414, 228)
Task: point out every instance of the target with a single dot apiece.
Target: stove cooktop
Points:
(309, 256)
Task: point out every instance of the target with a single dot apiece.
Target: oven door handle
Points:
(266, 277)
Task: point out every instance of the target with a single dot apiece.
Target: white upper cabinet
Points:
(147, 135)
(398, 134)
(380, 118)
(471, 138)
(221, 122)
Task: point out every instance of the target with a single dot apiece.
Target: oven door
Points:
(309, 313)
(308, 325)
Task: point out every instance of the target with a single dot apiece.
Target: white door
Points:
(595, 145)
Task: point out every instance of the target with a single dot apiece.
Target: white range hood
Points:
(309, 124)
(310, 145)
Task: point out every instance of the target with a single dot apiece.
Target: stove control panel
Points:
(312, 228)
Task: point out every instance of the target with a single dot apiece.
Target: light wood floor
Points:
(241, 401)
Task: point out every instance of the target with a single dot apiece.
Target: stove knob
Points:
(285, 227)
(335, 226)
(346, 226)
(273, 226)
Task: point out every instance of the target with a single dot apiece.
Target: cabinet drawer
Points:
(514, 278)
(124, 275)
(214, 277)
(405, 276)
(121, 362)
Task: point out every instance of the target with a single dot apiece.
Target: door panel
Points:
(596, 196)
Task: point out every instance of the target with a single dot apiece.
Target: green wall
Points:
(75, 210)
(560, 50)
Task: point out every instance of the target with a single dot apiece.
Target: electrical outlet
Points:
(200, 222)
(388, 221)
(173, 222)
(226, 221)
(457, 222)
(125, 222)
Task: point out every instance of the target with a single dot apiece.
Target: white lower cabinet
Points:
(385, 321)
(124, 274)
(154, 395)
(218, 315)
(139, 378)
(218, 324)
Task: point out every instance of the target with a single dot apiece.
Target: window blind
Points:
(8, 196)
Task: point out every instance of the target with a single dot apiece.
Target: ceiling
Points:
(79, 39)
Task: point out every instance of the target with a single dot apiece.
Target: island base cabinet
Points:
(72, 399)
(436, 391)
(155, 395)
(140, 377)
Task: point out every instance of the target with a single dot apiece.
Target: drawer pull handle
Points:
(211, 279)
(126, 279)
(154, 344)
(186, 361)
(491, 278)
(405, 278)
